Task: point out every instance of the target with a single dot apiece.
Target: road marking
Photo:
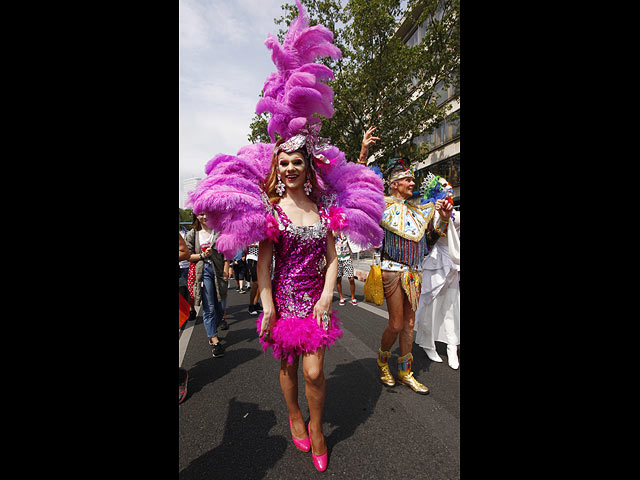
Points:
(363, 304)
(372, 309)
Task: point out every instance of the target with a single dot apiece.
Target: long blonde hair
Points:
(272, 178)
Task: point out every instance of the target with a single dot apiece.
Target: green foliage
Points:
(380, 81)
(186, 215)
(258, 126)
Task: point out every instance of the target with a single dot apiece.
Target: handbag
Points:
(373, 291)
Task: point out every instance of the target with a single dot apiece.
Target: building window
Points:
(449, 169)
(417, 36)
(453, 128)
(441, 93)
(447, 130)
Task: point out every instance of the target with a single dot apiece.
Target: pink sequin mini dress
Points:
(298, 280)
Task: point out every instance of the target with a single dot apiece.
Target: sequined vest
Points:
(405, 224)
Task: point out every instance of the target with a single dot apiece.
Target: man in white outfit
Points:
(438, 313)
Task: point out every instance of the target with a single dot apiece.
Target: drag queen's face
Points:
(292, 169)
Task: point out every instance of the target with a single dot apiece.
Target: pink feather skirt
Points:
(293, 336)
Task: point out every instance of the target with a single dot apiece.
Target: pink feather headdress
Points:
(297, 91)
(232, 195)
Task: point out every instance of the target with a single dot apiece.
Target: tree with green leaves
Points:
(380, 80)
(186, 214)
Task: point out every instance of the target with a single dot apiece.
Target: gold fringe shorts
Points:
(410, 280)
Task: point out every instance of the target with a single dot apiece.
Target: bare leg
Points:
(315, 389)
(253, 295)
(289, 385)
(352, 286)
(405, 374)
(395, 306)
(339, 286)
(406, 334)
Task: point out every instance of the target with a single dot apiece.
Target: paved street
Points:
(233, 423)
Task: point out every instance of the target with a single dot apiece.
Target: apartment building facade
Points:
(188, 185)
(438, 151)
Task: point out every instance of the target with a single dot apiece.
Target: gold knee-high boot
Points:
(405, 375)
(383, 368)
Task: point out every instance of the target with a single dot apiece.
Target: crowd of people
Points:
(290, 211)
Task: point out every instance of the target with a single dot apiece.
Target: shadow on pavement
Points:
(237, 313)
(247, 450)
(422, 363)
(211, 369)
(350, 401)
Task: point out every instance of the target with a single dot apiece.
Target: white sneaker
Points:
(452, 356)
(432, 354)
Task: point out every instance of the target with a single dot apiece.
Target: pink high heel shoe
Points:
(303, 445)
(319, 461)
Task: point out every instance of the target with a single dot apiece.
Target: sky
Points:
(223, 66)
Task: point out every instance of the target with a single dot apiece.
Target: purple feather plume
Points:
(231, 195)
(360, 194)
(297, 91)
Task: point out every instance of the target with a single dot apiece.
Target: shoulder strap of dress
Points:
(323, 211)
(281, 217)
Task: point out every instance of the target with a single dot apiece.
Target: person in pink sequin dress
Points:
(297, 321)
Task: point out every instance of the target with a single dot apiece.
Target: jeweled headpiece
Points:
(401, 174)
(308, 140)
(394, 174)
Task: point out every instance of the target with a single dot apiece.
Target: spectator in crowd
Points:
(240, 270)
(212, 273)
(438, 314)
(345, 267)
(252, 275)
(184, 274)
(183, 375)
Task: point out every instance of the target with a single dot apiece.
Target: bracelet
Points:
(201, 257)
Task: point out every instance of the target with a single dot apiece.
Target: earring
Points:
(307, 187)
(280, 187)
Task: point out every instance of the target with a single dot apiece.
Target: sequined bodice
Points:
(300, 265)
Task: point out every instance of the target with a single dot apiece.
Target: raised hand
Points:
(369, 139)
